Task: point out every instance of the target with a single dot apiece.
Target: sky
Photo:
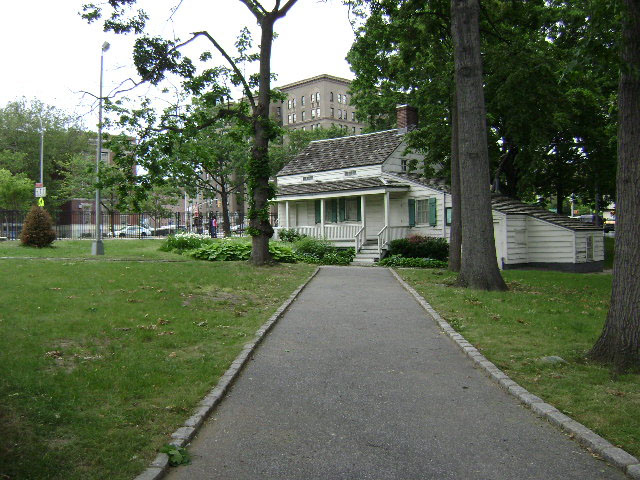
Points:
(48, 52)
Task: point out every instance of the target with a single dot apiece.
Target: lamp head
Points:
(105, 46)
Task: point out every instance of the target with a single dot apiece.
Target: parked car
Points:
(133, 231)
(168, 230)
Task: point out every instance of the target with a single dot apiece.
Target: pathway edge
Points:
(588, 439)
(185, 433)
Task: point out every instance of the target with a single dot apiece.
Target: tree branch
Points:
(255, 8)
(284, 10)
(235, 68)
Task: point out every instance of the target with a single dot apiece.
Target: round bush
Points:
(37, 230)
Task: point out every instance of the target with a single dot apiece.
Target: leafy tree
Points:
(64, 137)
(157, 57)
(619, 343)
(210, 161)
(158, 201)
(16, 191)
(549, 89)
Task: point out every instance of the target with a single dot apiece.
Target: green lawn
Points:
(543, 314)
(103, 360)
(121, 248)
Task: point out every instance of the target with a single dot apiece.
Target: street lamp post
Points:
(41, 151)
(97, 248)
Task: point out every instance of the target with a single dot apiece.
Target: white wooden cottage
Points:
(355, 191)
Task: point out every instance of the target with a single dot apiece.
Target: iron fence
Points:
(75, 225)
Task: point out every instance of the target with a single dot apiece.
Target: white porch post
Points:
(363, 213)
(322, 218)
(286, 214)
(387, 199)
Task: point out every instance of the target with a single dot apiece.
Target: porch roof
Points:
(369, 184)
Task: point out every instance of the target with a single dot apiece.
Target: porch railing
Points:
(360, 238)
(330, 232)
(388, 234)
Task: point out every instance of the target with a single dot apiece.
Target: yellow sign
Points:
(41, 202)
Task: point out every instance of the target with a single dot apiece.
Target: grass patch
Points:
(103, 360)
(114, 249)
(543, 314)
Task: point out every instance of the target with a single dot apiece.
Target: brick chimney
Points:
(407, 118)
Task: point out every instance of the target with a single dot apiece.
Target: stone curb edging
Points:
(584, 436)
(183, 435)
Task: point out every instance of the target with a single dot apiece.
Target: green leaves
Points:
(177, 455)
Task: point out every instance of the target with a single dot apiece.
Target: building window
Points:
(313, 113)
(404, 164)
(302, 100)
(422, 211)
(350, 173)
(331, 96)
(344, 99)
(279, 110)
(318, 97)
(447, 215)
(340, 114)
(354, 130)
(353, 116)
(351, 209)
(289, 104)
(294, 103)
(302, 114)
(333, 112)
(294, 118)
(318, 112)
(289, 118)
(308, 178)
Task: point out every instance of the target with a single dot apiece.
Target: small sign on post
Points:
(41, 192)
(41, 202)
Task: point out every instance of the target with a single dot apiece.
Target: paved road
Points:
(355, 382)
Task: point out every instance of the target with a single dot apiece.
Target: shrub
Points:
(181, 242)
(419, 246)
(290, 235)
(399, 261)
(312, 250)
(230, 250)
(37, 230)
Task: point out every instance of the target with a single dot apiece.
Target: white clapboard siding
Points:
(331, 175)
(547, 242)
(517, 249)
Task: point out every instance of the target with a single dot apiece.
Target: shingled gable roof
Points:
(344, 152)
(366, 183)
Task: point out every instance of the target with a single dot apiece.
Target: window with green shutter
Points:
(433, 212)
(412, 212)
(318, 211)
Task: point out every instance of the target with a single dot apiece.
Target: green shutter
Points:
(318, 211)
(359, 209)
(433, 212)
(412, 212)
(334, 210)
(341, 209)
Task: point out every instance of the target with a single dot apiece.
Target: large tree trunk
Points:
(259, 172)
(479, 268)
(224, 200)
(455, 232)
(619, 342)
